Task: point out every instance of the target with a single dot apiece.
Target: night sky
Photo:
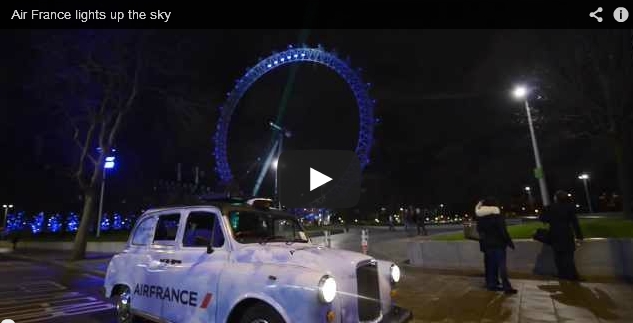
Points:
(449, 130)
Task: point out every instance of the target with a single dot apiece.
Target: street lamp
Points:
(528, 190)
(109, 164)
(6, 214)
(521, 92)
(585, 178)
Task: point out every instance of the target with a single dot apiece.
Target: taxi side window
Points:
(144, 232)
(201, 227)
(167, 227)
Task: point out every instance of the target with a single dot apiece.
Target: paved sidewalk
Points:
(449, 298)
(438, 297)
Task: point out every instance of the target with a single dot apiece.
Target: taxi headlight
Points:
(327, 289)
(394, 273)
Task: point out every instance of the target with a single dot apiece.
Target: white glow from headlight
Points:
(327, 289)
(395, 273)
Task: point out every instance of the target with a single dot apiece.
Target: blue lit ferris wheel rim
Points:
(289, 56)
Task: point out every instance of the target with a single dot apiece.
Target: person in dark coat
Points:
(482, 211)
(418, 219)
(495, 239)
(564, 230)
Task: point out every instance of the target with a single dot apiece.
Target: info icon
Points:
(318, 178)
(621, 14)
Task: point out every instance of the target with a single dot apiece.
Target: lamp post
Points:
(282, 132)
(528, 190)
(521, 92)
(585, 178)
(109, 163)
(6, 214)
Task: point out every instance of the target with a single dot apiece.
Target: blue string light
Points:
(117, 222)
(16, 222)
(72, 222)
(54, 223)
(37, 223)
(57, 222)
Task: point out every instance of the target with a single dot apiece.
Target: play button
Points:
(317, 179)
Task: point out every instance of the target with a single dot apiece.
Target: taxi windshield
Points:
(262, 227)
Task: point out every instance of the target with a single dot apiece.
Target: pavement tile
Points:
(577, 320)
(537, 317)
(620, 320)
(444, 298)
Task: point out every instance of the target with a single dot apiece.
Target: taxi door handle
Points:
(155, 264)
(170, 261)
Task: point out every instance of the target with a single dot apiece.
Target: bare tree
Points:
(590, 77)
(92, 79)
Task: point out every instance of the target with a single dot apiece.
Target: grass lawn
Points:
(591, 228)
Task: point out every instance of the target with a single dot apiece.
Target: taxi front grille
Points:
(368, 292)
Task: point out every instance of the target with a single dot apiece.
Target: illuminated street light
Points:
(6, 214)
(530, 197)
(521, 92)
(109, 164)
(585, 178)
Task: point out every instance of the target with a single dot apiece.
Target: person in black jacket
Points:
(494, 239)
(564, 230)
(481, 211)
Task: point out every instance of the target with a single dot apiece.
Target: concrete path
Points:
(444, 298)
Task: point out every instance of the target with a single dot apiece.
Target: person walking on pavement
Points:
(391, 224)
(495, 239)
(419, 221)
(407, 219)
(564, 230)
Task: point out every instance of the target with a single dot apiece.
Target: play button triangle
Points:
(317, 178)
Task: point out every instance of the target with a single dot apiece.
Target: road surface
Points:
(33, 292)
(39, 292)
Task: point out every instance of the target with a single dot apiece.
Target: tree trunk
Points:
(623, 160)
(81, 238)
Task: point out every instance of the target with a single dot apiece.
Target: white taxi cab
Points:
(234, 262)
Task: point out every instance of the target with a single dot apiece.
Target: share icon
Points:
(593, 14)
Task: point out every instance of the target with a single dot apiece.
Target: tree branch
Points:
(80, 170)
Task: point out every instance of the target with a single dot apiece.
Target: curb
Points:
(59, 263)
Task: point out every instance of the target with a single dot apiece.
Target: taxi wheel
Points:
(123, 313)
(261, 313)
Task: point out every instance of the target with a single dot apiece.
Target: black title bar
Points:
(322, 14)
